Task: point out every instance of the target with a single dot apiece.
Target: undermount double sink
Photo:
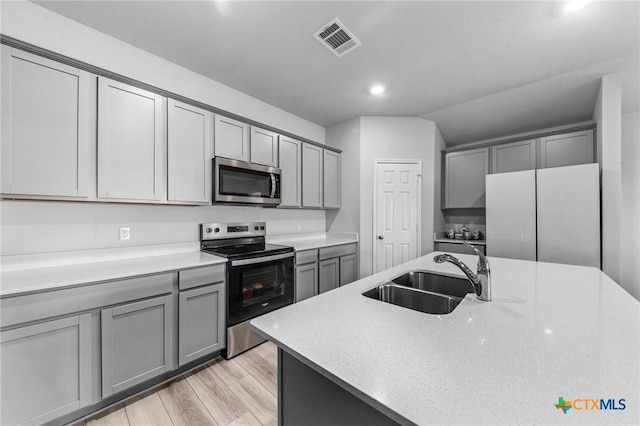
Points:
(423, 291)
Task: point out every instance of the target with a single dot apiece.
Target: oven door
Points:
(258, 285)
(239, 182)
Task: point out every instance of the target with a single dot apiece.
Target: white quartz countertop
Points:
(45, 276)
(313, 241)
(551, 331)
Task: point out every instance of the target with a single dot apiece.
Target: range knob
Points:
(262, 228)
(255, 228)
(216, 230)
(208, 230)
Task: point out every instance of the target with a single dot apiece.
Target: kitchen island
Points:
(552, 331)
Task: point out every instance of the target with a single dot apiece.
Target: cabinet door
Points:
(312, 176)
(464, 178)
(189, 150)
(331, 179)
(46, 370)
(514, 157)
(231, 138)
(130, 142)
(348, 269)
(264, 147)
(137, 343)
(328, 274)
(567, 149)
(46, 111)
(201, 322)
(290, 155)
(306, 281)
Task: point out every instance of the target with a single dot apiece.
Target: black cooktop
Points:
(244, 250)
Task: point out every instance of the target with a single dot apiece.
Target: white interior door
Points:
(396, 213)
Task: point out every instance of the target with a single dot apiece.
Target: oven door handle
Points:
(273, 185)
(255, 260)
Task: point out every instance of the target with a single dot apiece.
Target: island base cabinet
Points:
(308, 398)
(201, 329)
(46, 370)
(137, 343)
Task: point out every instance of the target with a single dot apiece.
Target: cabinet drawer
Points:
(37, 306)
(459, 248)
(337, 251)
(196, 277)
(306, 256)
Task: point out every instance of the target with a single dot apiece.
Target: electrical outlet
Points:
(124, 233)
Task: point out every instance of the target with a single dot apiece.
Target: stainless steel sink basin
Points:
(442, 284)
(422, 291)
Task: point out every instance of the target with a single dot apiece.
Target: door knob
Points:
(380, 237)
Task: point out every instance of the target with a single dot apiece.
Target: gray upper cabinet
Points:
(46, 370)
(514, 156)
(465, 173)
(231, 138)
(331, 179)
(137, 343)
(290, 155)
(46, 126)
(130, 142)
(264, 147)
(312, 175)
(189, 153)
(567, 149)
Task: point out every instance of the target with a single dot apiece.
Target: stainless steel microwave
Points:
(245, 183)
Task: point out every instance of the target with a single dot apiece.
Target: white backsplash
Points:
(29, 227)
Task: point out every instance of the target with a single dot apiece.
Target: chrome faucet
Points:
(481, 280)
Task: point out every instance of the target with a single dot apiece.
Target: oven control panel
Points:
(214, 231)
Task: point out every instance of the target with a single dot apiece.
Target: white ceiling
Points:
(479, 69)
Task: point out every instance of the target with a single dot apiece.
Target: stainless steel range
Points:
(260, 277)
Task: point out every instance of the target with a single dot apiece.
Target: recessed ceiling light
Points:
(377, 89)
(575, 5)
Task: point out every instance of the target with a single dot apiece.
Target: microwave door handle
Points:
(273, 185)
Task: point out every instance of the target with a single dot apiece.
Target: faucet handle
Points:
(483, 262)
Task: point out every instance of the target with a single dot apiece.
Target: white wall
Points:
(608, 115)
(394, 138)
(43, 227)
(346, 136)
(630, 217)
(439, 220)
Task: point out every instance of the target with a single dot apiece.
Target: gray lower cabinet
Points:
(46, 370)
(201, 322)
(137, 343)
(348, 269)
(306, 281)
(328, 274)
(459, 248)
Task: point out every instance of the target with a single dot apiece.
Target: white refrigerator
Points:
(549, 215)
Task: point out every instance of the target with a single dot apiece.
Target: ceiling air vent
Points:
(337, 38)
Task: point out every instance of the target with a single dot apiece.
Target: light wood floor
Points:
(240, 391)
